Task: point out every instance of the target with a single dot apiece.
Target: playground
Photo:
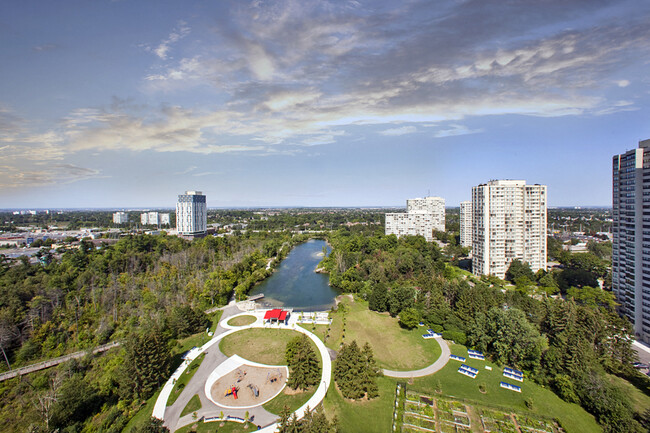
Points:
(248, 386)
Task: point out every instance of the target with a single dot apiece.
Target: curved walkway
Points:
(171, 414)
(440, 362)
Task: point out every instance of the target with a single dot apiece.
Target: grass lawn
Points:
(266, 346)
(184, 379)
(193, 405)
(640, 401)
(294, 402)
(143, 414)
(242, 320)
(545, 403)
(395, 348)
(199, 338)
(211, 427)
(370, 416)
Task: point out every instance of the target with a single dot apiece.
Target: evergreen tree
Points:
(355, 372)
(147, 361)
(377, 301)
(304, 370)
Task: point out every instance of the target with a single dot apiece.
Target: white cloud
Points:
(403, 130)
(622, 83)
(454, 130)
(179, 32)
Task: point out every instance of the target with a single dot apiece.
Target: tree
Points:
(304, 371)
(400, 298)
(153, 425)
(409, 318)
(378, 299)
(147, 361)
(518, 269)
(355, 371)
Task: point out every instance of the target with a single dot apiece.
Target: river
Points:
(295, 284)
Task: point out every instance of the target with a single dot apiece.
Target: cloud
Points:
(45, 47)
(622, 83)
(43, 175)
(283, 75)
(454, 130)
(179, 32)
(189, 169)
(399, 131)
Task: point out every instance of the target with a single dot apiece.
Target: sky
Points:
(127, 104)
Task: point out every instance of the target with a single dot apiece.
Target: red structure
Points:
(276, 315)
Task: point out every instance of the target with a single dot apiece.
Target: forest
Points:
(144, 291)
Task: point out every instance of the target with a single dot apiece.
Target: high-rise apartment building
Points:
(154, 218)
(466, 224)
(631, 229)
(120, 217)
(149, 218)
(509, 222)
(191, 214)
(422, 217)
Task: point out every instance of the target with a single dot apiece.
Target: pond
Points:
(295, 284)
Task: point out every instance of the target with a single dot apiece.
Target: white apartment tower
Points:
(191, 214)
(422, 217)
(466, 224)
(509, 222)
(120, 217)
(631, 229)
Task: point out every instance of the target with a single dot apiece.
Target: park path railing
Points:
(55, 361)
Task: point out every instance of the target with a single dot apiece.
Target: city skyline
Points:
(117, 104)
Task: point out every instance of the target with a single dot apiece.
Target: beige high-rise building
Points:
(509, 222)
(422, 217)
(630, 248)
(466, 224)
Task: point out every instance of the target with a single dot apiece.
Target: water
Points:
(295, 284)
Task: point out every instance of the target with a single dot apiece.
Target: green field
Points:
(193, 405)
(242, 320)
(266, 346)
(368, 416)
(211, 427)
(545, 403)
(185, 379)
(293, 402)
(395, 348)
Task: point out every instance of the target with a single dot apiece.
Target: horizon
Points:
(316, 104)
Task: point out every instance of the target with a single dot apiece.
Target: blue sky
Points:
(314, 103)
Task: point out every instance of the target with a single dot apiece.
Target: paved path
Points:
(213, 358)
(55, 361)
(440, 362)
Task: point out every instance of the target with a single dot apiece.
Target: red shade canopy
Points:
(275, 314)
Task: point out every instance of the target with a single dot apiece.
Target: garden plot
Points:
(497, 422)
(534, 425)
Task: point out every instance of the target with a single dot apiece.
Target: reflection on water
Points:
(295, 284)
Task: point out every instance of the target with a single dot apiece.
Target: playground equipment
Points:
(271, 377)
(240, 374)
(232, 391)
(254, 390)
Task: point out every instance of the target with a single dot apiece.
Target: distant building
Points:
(631, 244)
(164, 218)
(422, 217)
(191, 214)
(149, 218)
(508, 223)
(120, 218)
(466, 224)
